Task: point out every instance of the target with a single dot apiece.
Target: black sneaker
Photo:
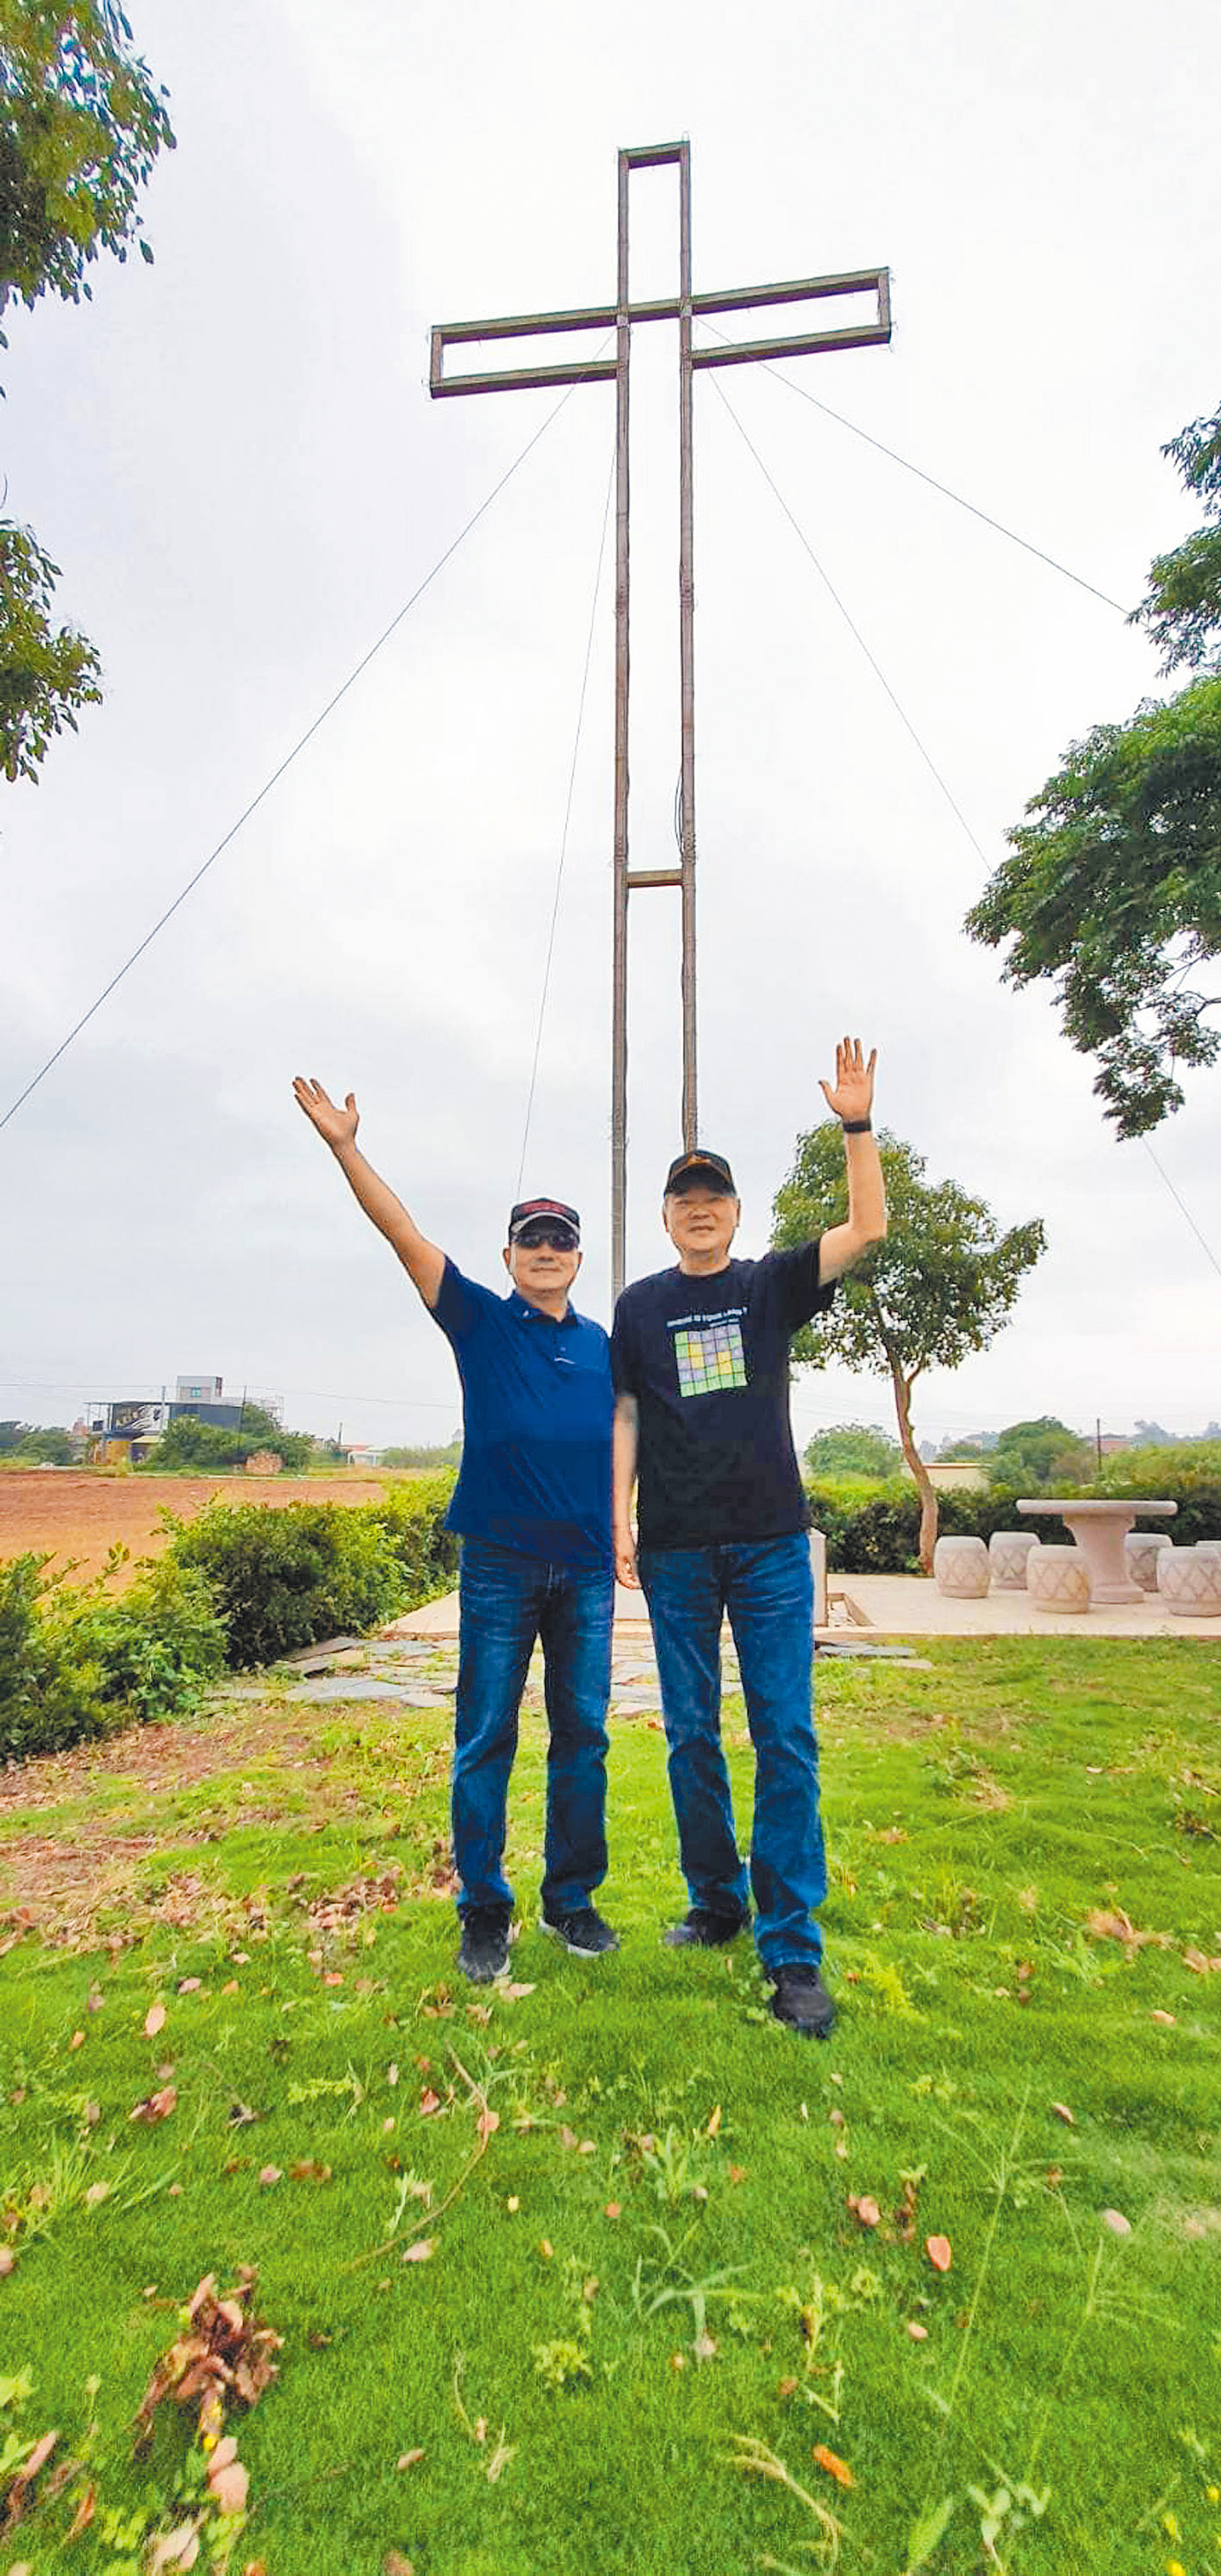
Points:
(801, 2000)
(701, 1929)
(584, 1933)
(484, 1953)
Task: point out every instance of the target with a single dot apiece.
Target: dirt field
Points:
(80, 1516)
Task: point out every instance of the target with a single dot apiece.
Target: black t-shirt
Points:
(707, 1360)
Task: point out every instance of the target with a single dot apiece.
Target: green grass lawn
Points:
(576, 2278)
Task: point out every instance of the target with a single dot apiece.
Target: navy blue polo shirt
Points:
(537, 1411)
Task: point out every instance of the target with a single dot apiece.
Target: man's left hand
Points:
(852, 1097)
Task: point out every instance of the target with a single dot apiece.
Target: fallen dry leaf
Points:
(1062, 2112)
(1165, 2019)
(156, 2106)
(938, 2251)
(1199, 1965)
(568, 2137)
(487, 2122)
(429, 2102)
(394, 2564)
(834, 2466)
(614, 2209)
(714, 2121)
(704, 2347)
(84, 2514)
(78, 2037)
(1118, 2224)
(154, 2020)
(864, 2208)
(96, 2194)
(8, 2261)
(737, 2173)
(514, 1993)
(421, 2251)
(177, 2548)
(918, 2333)
(307, 2169)
(787, 2388)
(408, 2459)
(191, 1986)
(270, 2174)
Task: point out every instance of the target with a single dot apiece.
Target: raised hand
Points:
(852, 1097)
(336, 1126)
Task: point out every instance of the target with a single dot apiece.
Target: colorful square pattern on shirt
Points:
(710, 1357)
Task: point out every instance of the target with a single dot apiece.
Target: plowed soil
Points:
(79, 1516)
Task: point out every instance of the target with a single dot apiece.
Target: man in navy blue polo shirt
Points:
(532, 1503)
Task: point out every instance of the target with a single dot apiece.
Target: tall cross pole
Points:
(620, 317)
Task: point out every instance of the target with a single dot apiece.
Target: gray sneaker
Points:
(584, 1933)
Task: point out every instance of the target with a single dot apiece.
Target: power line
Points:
(572, 778)
(945, 489)
(1180, 1204)
(875, 666)
(290, 757)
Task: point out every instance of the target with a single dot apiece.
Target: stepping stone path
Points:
(422, 1672)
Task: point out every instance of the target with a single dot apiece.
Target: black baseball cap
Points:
(550, 1211)
(700, 1166)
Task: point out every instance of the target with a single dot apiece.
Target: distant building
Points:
(126, 1426)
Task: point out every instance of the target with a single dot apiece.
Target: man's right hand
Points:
(625, 1561)
(336, 1126)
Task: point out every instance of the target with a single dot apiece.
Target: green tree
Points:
(46, 673)
(1113, 889)
(81, 124)
(1041, 1452)
(940, 1286)
(36, 1444)
(853, 1449)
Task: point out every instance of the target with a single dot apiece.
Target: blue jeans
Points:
(506, 1600)
(768, 1591)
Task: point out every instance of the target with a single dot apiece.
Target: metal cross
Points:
(620, 316)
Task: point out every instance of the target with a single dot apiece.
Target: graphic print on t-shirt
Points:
(709, 1356)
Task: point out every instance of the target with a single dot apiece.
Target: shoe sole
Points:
(675, 1939)
(574, 1948)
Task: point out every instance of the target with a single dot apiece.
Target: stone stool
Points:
(1189, 1581)
(1007, 1554)
(1058, 1578)
(1142, 1549)
(960, 1566)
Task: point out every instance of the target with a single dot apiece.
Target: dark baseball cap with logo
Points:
(551, 1217)
(700, 1170)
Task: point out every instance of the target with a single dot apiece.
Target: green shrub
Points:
(152, 1647)
(48, 1699)
(877, 1533)
(283, 1578)
(412, 1518)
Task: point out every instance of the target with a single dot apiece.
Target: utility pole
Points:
(619, 317)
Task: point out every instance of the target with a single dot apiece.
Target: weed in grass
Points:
(756, 2459)
(664, 2280)
(497, 2455)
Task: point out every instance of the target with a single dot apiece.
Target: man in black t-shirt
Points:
(700, 1359)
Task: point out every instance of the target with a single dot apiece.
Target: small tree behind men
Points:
(1113, 887)
(940, 1286)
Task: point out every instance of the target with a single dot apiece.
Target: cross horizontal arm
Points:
(603, 317)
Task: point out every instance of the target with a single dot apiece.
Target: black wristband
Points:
(857, 1126)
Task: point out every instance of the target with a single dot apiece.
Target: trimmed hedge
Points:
(79, 1664)
(282, 1578)
(879, 1533)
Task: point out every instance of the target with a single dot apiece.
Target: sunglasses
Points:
(555, 1238)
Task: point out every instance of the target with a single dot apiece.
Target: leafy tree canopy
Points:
(34, 1444)
(1113, 889)
(853, 1449)
(81, 124)
(940, 1287)
(1041, 1452)
(46, 673)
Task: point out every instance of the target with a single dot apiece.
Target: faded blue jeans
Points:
(506, 1601)
(767, 1589)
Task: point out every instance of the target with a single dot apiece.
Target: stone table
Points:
(1099, 1530)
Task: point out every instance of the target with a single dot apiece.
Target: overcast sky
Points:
(234, 457)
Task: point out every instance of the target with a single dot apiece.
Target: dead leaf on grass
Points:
(834, 2466)
(864, 2208)
(938, 2251)
(408, 2459)
(1199, 1965)
(1062, 2112)
(421, 2252)
(8, 2261)
(307, 2169)
(394, 2564)
(224, 2353)
(156, 2106)
(1105, 1923)
(271, 2174)
(154, 2020)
